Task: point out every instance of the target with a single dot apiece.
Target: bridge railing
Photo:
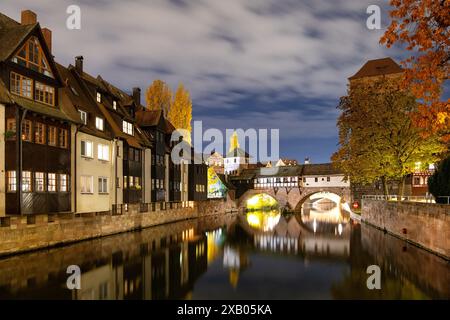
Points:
(426, 199)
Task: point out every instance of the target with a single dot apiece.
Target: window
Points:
(137, 182)
(115, 105)
(51, 182)
(63, 141)
(44, 94)
(99, 123)
(39, 182)
(137, 155)
(39, 133)
(87, 184)
(103, 152)
(21, 85)
(11, 180)
(11, 129)
(32, 56)
(26, 130)
(125, 182)
(99, 97)
(131, 182)
(316, 179)
(87, 149)
(52, 136)
(83, 116)
(102, 185)
(328, 179)
(127, 127)
(153, 184)
(63, 183)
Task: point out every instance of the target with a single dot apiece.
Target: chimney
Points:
(47, 33)
(28, 17)
(137, 96)
(307, 161)
(79, 64)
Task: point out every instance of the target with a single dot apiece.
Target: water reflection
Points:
(229, 258)
(264, 220)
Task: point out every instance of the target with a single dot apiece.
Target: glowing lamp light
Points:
(355, 205)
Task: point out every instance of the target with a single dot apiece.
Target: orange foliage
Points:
(424, 27)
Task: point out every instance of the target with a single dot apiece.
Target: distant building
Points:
(216, 161)
(236, 159)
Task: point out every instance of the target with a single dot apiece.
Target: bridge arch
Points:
(294, 198)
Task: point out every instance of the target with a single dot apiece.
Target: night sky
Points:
(248, 64)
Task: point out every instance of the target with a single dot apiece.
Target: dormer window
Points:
(127, 127)
(99, 123)
(115, 105)
(32, 56)
(99, 97)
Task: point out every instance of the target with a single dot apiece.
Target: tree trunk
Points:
(401, 188)
(385, 186)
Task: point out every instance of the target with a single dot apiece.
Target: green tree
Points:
(439, 182)
(377, 138)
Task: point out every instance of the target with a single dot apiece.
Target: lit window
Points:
(63, 138)
(131, 182)
(137, 182)
(51, 182)
(103, 152)
(39, 133)
(115, 105)
(99, 123)
(63, 183)
(44, 94)
(39, 182)
(87, 149)
(26, 130)
(52, 136)
(99, 97)
(125, 182)
(11, 176)
(83, 116)
(87, 184)
(127, 127)
(102, 185)
(21, 85)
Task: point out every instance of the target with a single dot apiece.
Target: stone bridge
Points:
(294, 197)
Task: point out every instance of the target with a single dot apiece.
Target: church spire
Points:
(234, 141)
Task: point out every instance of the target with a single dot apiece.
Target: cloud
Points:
(237, 57)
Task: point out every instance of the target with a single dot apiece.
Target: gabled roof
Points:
(148, 118)
(12, 34)
(378, 67)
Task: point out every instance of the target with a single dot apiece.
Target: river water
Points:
(319, 254)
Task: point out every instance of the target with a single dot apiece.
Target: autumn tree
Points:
(159, 96)
(424, 27)
(377, 137)
(180, 113)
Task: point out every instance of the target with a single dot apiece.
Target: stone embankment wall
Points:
(25, 233)
(426, 225)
